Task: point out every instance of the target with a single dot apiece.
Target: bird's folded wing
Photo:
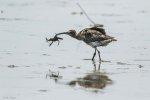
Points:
(94, 35)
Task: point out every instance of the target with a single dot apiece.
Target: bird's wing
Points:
(100, 29)
(92, 35)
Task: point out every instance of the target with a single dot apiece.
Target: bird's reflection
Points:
(96, 68)
(95, 79)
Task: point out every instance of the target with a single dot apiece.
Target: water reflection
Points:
(95, 79)
(53, 75)
(96, 68)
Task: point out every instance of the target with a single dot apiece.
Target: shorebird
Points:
(94, 36)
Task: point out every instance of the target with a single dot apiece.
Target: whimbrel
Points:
(94, 36)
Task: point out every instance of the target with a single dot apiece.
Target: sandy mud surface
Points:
(31, 70)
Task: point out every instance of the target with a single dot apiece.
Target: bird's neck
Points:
(75, 36)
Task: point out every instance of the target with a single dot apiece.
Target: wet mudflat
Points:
(30, 69)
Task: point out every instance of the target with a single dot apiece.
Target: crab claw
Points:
(48, 39)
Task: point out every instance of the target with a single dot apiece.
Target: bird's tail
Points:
(113, 39)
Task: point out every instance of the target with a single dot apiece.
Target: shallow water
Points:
(26, 59)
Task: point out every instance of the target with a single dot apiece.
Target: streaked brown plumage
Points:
(95, 37)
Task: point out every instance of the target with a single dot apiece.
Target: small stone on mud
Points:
(43, 90)
(69, 66)
(140, 66)
(63, 67)
(1, 11)
(75, 13)
(12, 66)
(77, 67)
(45, 54)
(122, 63)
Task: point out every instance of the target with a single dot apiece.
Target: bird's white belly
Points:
(95, 44)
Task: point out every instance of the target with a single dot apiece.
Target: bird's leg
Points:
(94, 54)
(99, 55)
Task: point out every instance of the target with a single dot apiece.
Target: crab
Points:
(54, 39)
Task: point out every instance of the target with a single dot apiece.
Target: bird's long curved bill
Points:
(62, 33)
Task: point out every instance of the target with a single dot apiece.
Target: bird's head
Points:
(71, 33)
